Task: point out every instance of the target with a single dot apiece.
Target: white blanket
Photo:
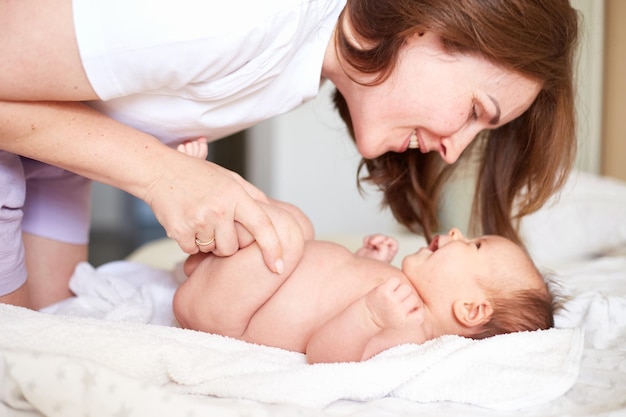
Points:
(504, 372)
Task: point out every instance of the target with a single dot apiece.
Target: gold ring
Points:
(201, 243)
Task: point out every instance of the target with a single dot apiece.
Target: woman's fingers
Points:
(257, 223)
(199, 204)
(226, 241)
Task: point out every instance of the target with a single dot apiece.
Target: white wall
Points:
(307, 158)
(589, 84)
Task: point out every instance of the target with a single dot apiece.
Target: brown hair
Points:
(520, 310)
(525, 161)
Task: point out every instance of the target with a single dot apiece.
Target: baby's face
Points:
(454, 268)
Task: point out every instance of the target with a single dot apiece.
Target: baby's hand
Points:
(378, 246)
(394, 304)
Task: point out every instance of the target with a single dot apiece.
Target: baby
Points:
(336, 306)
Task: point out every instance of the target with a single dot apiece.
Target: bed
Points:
(114, 349)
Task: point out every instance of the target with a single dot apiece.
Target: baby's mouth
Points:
(434, 244)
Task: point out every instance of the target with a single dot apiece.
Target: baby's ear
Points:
(472, 313)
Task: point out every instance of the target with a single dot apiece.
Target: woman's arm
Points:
(387, 316)
(40, 58)
(190, 197)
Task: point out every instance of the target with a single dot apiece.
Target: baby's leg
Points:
(308, 232)
(221, 295)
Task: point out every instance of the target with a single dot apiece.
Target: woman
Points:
(409, 74)
(523, 162)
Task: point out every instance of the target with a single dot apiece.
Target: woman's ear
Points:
(472, 313)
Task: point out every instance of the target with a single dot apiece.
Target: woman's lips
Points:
(415, 142)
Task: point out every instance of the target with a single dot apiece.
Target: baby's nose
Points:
(456, 234)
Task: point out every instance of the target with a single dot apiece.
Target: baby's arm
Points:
(380, 247)
(389, 315)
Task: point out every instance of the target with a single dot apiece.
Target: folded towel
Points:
(504, 372)
(121, 291)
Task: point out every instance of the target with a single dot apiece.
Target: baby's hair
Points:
(522, 310)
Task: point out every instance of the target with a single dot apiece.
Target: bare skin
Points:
(337, 306)
(19, 297)
(58, 259)
(249, 312)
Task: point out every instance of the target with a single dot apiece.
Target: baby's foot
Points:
(198, 148)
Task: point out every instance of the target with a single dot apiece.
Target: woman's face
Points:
(445, 99)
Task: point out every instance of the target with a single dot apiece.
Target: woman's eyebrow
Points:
(496, 119)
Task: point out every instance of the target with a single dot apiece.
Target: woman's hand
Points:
(208, 208)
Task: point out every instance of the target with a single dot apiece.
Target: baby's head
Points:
(479, 287)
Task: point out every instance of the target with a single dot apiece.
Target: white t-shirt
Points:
(181, 69)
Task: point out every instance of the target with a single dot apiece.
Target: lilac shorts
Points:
(42, 200)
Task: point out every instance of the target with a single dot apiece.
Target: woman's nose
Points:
(453, 146)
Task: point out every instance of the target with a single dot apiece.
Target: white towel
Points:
(121, 291)
(504, 372)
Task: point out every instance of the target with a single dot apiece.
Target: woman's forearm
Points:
(77, 138)
(190, 197)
